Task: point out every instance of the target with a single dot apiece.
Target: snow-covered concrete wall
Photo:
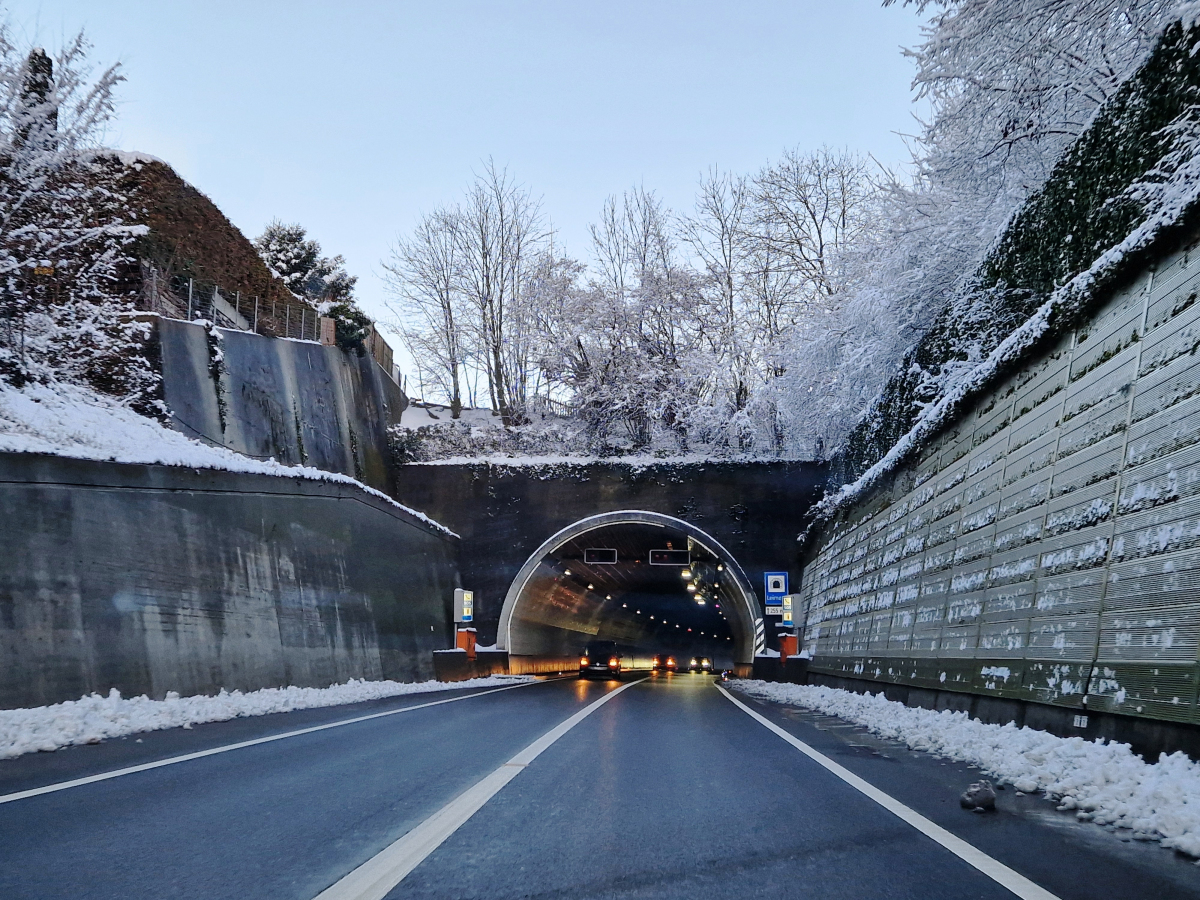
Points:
(149, 579)
(1046, 545)
(295, 401)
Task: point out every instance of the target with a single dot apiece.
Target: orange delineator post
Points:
(465, 640)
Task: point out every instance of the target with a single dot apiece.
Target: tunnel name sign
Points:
(464, 605)
(776, 588)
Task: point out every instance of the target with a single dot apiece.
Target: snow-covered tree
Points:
(320, 281)
(500, 234)
(296, 260)
(65, 229)
(422, 278)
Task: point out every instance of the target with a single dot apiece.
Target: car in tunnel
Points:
(664, 662)
(600, 659)
(700, 664)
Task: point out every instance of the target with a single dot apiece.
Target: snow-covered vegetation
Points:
(321, 282)
(1105, 783)
(66, 230)
(768, 319)
(1118, 178)
(96, 718)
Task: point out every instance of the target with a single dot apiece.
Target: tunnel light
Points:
(591, 587)
(686, 574)
(699, 601)
(566, 571)
(652, 618)
(624, 606)
(609, 597)
(639, 612)
(692, 588)
(720, 568)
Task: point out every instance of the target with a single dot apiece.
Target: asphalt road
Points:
(666, 791)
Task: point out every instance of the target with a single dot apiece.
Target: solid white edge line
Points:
(968, 853)
(200, 754)
(375, 878)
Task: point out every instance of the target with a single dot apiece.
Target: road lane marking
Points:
(969, 853)
(375, 878)
(200, 754)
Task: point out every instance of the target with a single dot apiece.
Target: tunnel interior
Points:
(647, 581)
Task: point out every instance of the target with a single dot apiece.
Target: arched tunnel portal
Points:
(598, 579)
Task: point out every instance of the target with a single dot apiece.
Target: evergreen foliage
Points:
(323, 282)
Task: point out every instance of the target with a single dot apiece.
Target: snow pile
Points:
(1105, 783)
(72, 421)
(94, 718)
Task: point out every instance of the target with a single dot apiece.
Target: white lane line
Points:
(993, 868)
(382, 872)
(187, 757)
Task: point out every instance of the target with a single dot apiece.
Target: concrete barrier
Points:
(151, 579)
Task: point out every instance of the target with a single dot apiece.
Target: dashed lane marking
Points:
(968, 853)
(200, 754)
(382, 872)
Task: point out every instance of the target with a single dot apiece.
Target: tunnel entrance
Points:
(606, 577)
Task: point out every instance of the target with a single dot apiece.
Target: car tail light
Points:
(583, 661)
(670, 661)
(613, 662)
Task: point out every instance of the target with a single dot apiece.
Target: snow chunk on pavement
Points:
(94, 718)
(1106, 782)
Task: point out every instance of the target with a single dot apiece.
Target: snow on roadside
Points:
(67, 420)
(94, 718)
(1105, 783)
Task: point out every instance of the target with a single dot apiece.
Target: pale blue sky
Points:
(353, 118)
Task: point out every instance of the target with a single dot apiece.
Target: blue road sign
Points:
(776, 587)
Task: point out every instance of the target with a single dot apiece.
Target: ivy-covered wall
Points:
(1082, 211)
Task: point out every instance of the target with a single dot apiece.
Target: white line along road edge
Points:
(382, 872)
(994, 869)
(200, 754)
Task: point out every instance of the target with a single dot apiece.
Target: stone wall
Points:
(296, 401)
(1046, 547)
(152, 579)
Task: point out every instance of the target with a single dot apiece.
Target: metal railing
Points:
(189, 299)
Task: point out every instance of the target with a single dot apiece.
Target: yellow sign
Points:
(43, 270)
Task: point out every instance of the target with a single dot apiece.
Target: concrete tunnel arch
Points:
(745, 625)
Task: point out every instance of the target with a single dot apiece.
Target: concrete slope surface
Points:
(664, 790)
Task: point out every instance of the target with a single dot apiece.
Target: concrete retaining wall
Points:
(1046, 548)
(153, 578)
(296, 401)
